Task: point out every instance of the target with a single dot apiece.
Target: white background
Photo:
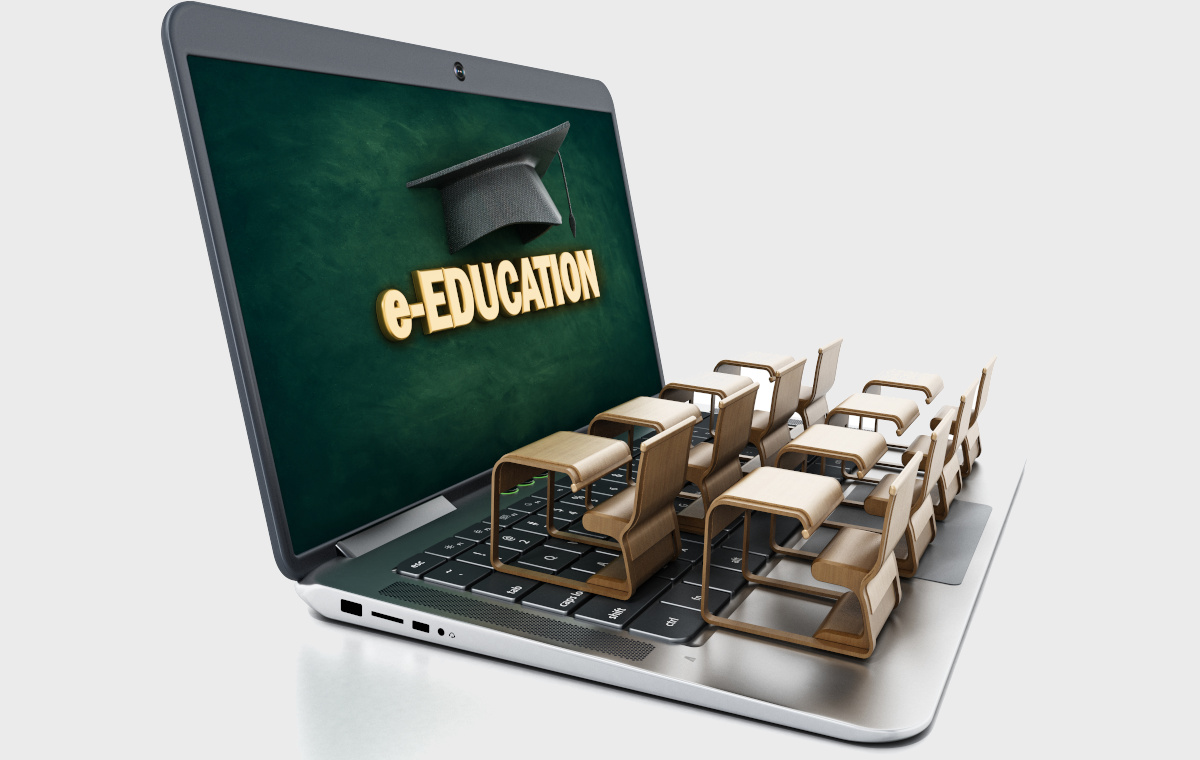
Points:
(934, 182)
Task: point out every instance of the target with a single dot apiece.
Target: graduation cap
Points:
(502, 189)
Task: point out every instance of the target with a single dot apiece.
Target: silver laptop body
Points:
(346, 573)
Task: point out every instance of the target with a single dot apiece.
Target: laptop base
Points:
(891, 696)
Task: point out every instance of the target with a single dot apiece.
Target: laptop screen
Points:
(404, 338)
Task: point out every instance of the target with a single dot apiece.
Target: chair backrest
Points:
(899, 508)
(826, 371)
(663, 471)
(985, 384)
(733, 424)
(939, 444)
(962, 420)
(787, 389)
(815, 408)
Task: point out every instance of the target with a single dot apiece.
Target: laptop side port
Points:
(351, 608)
(387, 617)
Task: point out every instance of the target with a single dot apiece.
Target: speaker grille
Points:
(517, 620)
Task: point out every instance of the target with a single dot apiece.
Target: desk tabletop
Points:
(584, 458)
(772, 364)
(900, 411)
(651, 412)
(927, 382)
(807, 497)
(863, 447)
(720, 384)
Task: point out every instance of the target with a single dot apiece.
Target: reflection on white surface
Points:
(364, 694)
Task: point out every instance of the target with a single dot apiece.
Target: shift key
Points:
(615, 613)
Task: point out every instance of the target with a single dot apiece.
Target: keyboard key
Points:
(530, 504)
(562, 488)
(673, 570)
(731, 559)
(535, 524)
(668, 623)
(687, 595)
(556, 599)
(578, 529)
(718, 578)
(565, 546)
(415, 567)
(577, 499)
(568, 512)
(690, 553)
(456, 574)
(608, 488)
(479, 556)
(450, 548)
(480, 531)
(510, 588)
(615, 613)
(550, 560)
(592, 562)
(507, 517)
(519, 540)
(760, 531)
(574, 575)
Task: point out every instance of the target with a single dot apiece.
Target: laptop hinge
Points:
(392, 528)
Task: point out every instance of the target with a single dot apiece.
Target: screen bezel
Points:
(209, 31)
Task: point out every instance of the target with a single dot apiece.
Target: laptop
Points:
(393, 336)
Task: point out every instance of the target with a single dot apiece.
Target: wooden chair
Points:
(971, 447)
(641, 519)
(813, 405)
(922, 525)
(974, 447)
(862, 561)
(950, 481)
(714, 467)
(865, 562)
(769, 431)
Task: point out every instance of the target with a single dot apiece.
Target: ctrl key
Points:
(669, 623)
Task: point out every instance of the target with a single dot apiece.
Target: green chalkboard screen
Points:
(310, 172)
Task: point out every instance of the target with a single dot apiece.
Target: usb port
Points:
(351, 608)
(422, 627)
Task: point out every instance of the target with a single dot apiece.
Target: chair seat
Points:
(848, 558)
(611, 516)
(760, 421)
(946, 411)
(920, 444)
(844, 623)
(806, 398)
(876, 503)
(700, 456)
(924, 445)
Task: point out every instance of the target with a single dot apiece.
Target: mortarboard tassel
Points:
(570, 210)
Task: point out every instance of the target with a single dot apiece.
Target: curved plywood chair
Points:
(715, 466)
(813, 405)
(922, 523)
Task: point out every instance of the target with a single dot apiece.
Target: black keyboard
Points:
(665, 608)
